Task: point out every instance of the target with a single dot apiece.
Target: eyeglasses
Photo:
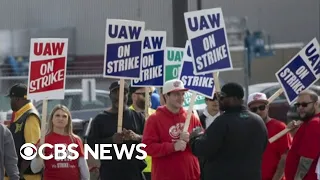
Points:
(303, 104)
(221, 95)
(255, 109)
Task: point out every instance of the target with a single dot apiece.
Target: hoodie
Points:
(161, 131)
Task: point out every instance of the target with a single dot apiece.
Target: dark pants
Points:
(147, 175)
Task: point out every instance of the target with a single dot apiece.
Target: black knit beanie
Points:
(233, 90)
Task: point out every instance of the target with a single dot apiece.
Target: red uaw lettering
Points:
(48, 49)
(47, 75)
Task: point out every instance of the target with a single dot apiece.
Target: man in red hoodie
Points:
(172, 158)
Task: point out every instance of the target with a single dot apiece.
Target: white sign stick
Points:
(282, 133)
(44, 121)
(285, 131)
(120, 108)
(187, 123)
(216, 81)
(147, 102)
(275, 95)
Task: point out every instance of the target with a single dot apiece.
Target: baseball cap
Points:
(232, 90)
(116, 85)
(173, 85)
(257, 97)
(18, 90)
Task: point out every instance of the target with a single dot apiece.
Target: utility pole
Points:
(179, 7)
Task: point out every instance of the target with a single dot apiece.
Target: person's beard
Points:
(307, 116)
(141, 103)
(223, 107)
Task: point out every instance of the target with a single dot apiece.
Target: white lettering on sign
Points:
(314, 57)
(125, 64)
(49, 77)
(124, 51)
(46, 68)
(211, 57)
(292, 80)
(151, 72)
(200, 81)
(208, 43)
(148, 61)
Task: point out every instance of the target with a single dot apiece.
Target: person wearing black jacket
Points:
(233, 144)
(104, 131)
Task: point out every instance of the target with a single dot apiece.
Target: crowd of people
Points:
(228, 140)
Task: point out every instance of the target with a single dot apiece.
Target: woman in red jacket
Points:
(60, 132)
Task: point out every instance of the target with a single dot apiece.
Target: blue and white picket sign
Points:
(201, 84)
(153, 60)
(123, 49)
(301, 72)
(209, 44)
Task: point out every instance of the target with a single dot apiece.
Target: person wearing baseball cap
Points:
(274, 157)
(104, 131)
(233, 144)
(25, 127)
(166, 142)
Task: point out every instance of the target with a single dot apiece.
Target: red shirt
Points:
(306, 143)
(161, 131)
(275, 150)
(61, 169)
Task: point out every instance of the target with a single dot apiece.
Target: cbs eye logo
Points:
(28, 151)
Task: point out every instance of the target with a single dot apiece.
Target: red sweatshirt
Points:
(162, 129)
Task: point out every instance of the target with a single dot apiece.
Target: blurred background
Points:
(275, 31)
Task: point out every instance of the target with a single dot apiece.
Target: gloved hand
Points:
(196, 132)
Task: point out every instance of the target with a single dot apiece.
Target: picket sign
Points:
(300, 73)
(47, 73)
(123, 45)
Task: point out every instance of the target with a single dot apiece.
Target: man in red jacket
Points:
(304, 154)
(172, 158)
(274, 157)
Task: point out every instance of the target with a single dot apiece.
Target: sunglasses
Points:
(261, 108)
(214, 98)
(303, 104)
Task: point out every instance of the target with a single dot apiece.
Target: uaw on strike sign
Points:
(47, 68)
